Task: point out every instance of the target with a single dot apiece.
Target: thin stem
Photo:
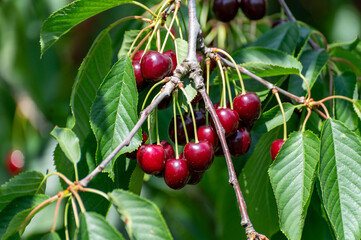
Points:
(170, 26)
(223, 83)
(144, 7)
(158, 41)
(334, 59)
(306, 119)
(228, 88)
(192, 113)
(156, 125)
(75, 210)
(111, 26)
(175, 127)
(150, 91)
(320, 113)
(152, 35)
(62, 176)
(307, 85)
(183, 21)
(183, 123)
(139, 45)
(76, 172)
(96, 191)
(66, 211)
(334, 97)
(325, 109)
(78, 199)
(330, 86)
(283, 114)
(56, 213)
(208, 66)
(136, 39)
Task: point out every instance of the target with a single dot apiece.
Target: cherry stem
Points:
(78, 199)
(179, 27)
(334, 59)
(283, 113)
(75, 210)
(235, 64)
(334, 97)
(170, 26)
(224, 94)
(66, 211)
(208, 67)
(307, 85)
(158, 40)
(156, 124)
(323, 38)
(145, 8)
(320, 113)
(175, 126)
(151, 89)
(62, 176)
(56, 213)
(228, 88)
(96, 191)
(306, 119)
(192, 113)
(136, 39)
(183, 123)
(325, 109)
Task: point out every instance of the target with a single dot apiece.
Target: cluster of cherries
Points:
(226, 10)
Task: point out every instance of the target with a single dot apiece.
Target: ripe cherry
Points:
(15, 162)
(254, 9)
(138, 55)
(229, 120)
(176, 173)
(200, 118)
(239, 142)
(155, 66)
(225, 10)
(164, 103)
(197, 98)
(138, 76)
(195, 178)
(248, 107)
(207, 133)
(173, 57)
(275, 147)
(180, 129)
(168, 148)
(151, 158)
(133, 155)
(199, 155)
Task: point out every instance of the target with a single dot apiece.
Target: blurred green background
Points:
(35, 95)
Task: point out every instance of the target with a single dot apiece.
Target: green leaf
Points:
(292, 177)
(61, 21)
(305, 34)
(267, 62)
(283, 37)
(136, 180)
(13, 216)
(340, 178)
(272, 118)
(95, 227)
(63, 165)
(345, 85)
(26, 183)
(128, 39)
(357, 107)
(68, 142)
(256, 186)
(313, 62)
(142, 218)
(345, 45)
(114, 112)
(181, 49)
(190, 91)
(51, 236)
(91, 73)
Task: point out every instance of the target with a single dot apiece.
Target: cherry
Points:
(151, 158)
(200, 118)
(207, 133)
(197, 99)
(199, 155)
(180, 129)
(239, 142)
(164, 103)
(138, 55)
(212, 66)
(229, 120)
(168, 148)
(248, 107)
(173, 57)
(138, 76)
(278, 22)
(219, 152)
(195, 178)
(133, 155)
(275, 147)
(254, 9)
(225, 10)
(176, 173)
(15, 162)
(155, 66)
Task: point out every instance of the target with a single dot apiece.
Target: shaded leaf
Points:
(292, 177)
(142, 218)
(26, 183)
(136, 180)
(51, 236)
(340, 178)
(68, 142)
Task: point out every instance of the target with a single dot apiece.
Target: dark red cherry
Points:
(229, 120)
(133, 155)
(151, 158)
(155, 66)
(225, 10)
(138, 55)
(180, 129)
(176, 173)
(219, 151)
(173, 57)
(197, 98)
(200, 118)
(275, 147)
(196, 177)
(15, 162)
(138, 76)
(278, 22)
(248, 107)
(164, 103)
(168, 148)
(206, 133)
(239, 142)
(199, 155)
(254, 9)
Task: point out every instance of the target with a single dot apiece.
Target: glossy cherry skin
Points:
(176, 173)
(239, 142)
(248, 107)
(138, 55)
(133, 155)
(275, 147)
(206, 133)
(173, 57)
(168, 148)
(138, 76)
(151, 158)
(180, 129)
(229, 120)
(195, 178)
(254, 9)
(200, 118)
(199, 155)
(155, 66)
(15, 162)
(225, 10)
